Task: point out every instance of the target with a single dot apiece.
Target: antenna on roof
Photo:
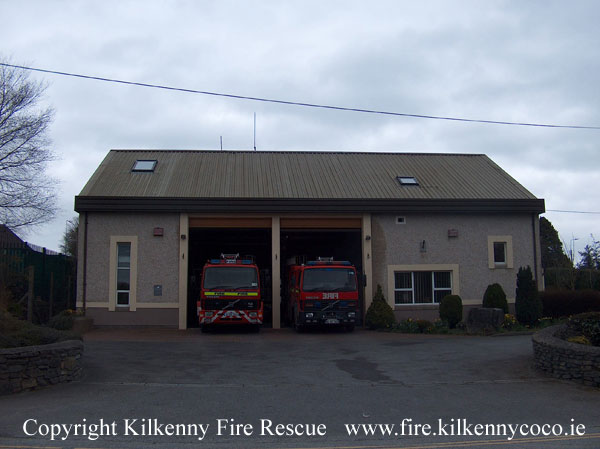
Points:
(255, 131)
(221, 138)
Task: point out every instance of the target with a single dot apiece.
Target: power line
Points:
(573, 211)
(297, 103)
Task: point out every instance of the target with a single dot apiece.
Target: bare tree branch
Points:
(27, 194)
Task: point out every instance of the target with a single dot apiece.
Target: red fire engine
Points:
(230, 292)
(322, 292)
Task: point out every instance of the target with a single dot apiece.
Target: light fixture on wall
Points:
(183, 237)
(423, 246)
(368, 237)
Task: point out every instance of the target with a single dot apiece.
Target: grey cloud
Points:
(533, 61)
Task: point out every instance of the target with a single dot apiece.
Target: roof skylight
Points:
(144, 165)
(407, 180)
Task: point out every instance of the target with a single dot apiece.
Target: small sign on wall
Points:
(159, 232)
(158, 290)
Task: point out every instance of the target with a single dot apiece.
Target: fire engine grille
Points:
(242, 304)
(320, 305)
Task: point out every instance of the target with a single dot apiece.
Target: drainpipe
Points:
(84, 286)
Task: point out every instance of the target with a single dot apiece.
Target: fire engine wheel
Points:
(255, 328)
(349, 327)
(205, 328)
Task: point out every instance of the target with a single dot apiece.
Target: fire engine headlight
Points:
(208, 314)
(309, 315)
(351, 314)
(252, 314)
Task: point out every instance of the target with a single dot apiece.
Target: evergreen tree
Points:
(553, 254)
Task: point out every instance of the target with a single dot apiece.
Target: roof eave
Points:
(269, 205)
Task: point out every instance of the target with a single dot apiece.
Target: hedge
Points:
(562, 303)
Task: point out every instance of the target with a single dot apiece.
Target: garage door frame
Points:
(277, 223)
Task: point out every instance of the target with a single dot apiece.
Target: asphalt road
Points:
(232, 390)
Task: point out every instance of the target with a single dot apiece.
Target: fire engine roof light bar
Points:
(230, 256)
(232, 259)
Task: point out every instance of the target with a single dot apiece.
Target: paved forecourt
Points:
(323, 389)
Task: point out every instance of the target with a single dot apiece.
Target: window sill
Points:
(423, 306)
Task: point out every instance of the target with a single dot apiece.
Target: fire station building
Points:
(420, 225)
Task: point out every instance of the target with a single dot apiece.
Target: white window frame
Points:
(412, 289)
(392, 269)
(508, 252)
(113, 267)
(128, 269)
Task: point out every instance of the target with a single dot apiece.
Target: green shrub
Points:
(63, 321)
(440, 327)
(580, 339)
(586, 324)
(495, 298)
(15, 333)
(425, 326)
(547, 321)
(510, 322)
(562, 303)
(408, 326)
(528, 306)
(451, 310)
(379, 315)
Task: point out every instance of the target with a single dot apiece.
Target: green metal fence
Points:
(51, 279)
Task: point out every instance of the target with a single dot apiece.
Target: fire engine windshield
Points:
(230, 278)
(329, 280)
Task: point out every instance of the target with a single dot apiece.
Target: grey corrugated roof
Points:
(302, 175)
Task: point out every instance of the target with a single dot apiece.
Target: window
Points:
(122, 278)
(230, 278)
(123, 273)
(421, 287)
(144, 166)
(500, 252)
(407, 180)
(329, 280)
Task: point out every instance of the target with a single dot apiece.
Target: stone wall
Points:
(565, 360)
(31, 367)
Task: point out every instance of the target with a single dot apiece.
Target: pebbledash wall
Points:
(156, 262)
(459, 243)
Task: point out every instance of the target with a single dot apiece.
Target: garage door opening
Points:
(210, 243)
(341, 244)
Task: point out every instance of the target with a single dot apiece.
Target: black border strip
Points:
(254, 205)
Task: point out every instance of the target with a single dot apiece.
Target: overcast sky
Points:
(494, 60)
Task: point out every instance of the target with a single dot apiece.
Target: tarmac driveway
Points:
(301, 381)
